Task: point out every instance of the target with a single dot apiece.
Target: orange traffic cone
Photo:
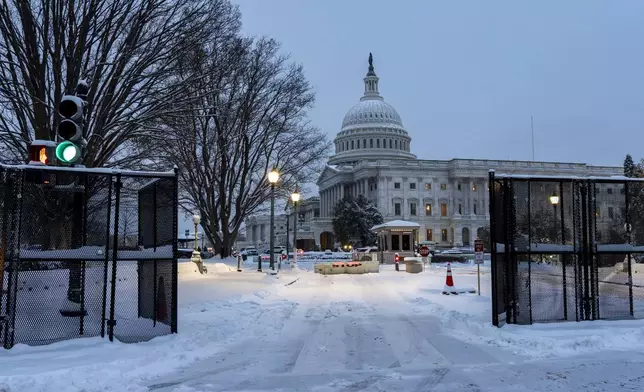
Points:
(449, 282)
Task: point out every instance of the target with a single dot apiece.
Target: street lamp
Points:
(554, 200)
(273, 177)
(295, 196)
(196, 255)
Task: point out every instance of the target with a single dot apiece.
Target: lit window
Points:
(428, 209)
(444, 235)
(429, 234)
(428, 186)
(474, 187)
(443, 187)
(443, 209)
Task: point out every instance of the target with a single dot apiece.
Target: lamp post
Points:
(196, 255)
(554, 200)
(273, 177)
(295, 196)
(288, 230)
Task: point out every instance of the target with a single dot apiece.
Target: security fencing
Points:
(566, 248)
(86, 252)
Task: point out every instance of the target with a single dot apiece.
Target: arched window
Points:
(390, 144)
(352, 147)
(377, 143)
(364, 143)
(370, 143)
(396, 143)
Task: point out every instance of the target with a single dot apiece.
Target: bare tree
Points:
(127, 51)
(245, 114)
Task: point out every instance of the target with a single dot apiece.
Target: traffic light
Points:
(70, 128)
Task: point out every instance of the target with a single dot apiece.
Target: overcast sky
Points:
(467, 75)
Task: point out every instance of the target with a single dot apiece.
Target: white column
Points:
(470, 199)
(455, 199)
(335, 196)
(324, 201)
(341, 191)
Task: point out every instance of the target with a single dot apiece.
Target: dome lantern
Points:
(371, 83)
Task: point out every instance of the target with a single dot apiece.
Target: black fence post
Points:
(15, 249)
(507, 245)
(107, 253)
(6, 263)
(529, 288)
(115, 246)
(175, 272)
(592, 250)
(493, 255)
(627, 226)
(563, 243)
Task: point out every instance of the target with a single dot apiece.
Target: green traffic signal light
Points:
(68, 152)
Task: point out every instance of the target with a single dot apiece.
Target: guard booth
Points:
(397, 236)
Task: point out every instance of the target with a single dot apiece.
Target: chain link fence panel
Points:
(77, 258)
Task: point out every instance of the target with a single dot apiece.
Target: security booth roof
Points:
(395, 225)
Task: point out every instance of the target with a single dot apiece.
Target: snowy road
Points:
(356, 334)
(301, 331)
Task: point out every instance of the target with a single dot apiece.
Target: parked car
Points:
(184, 253)
(249, 251)
(367, 249)
(276, 250)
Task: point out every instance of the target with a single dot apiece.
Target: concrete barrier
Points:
(371, 266)
(413, 267)
(336, 268)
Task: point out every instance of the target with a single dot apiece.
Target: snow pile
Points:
(211, 314)
(468, 318)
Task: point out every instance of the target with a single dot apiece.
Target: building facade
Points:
(447, 198)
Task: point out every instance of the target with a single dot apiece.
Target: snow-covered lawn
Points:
(390, 331)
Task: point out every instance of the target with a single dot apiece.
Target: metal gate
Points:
(86, 252)
(566, 248)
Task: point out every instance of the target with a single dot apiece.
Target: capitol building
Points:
(448, 199)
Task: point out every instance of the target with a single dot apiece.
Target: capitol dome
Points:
(372, 111)
(371, 129)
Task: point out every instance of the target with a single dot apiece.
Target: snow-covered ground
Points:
(299, 331)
